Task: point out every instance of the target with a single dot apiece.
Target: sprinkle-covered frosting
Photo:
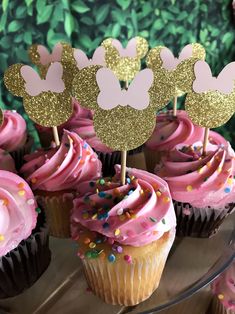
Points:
(6, 161)
(18, 211)
(224, 288)
(170, 131)
(13, 133)
(64, 167)
(81, 122)
(135, 214)
(200, 180)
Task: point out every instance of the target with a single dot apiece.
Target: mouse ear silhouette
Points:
(13, 80)
(85, 88)
(171, 72)
(125, 62)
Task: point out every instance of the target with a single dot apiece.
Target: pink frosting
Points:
(137, 213)
(6, 161)
(13, 133)
(224, 287)
(170, 131)
(81, 122)
(200, 180)
(64, 167)
(18, 214)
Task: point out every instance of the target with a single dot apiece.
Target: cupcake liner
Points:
(199, 222)
(152, 157)
(136, 160)
(136, 150)
(18, 155)
(109, 160)
(57, 206)
(216, 307)
(45, 138)
(22, 267)
(129, 284)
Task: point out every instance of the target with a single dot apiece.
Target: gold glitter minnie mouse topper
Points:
(211, 101)
(125, 62)
(123, 118)
(166, 68)
(46, 101)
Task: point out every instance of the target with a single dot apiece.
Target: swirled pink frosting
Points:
(64, 167)
(6, 161)
(13, 133)
(137, 213)
(18, 214)
(224, 287)
(81, 122)
(200, 180)
(170, 131)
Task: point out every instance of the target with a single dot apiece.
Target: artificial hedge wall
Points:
(84, 23)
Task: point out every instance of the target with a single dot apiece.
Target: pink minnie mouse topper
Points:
(53, 82)
(83, 61)
(111, 95)
(205, 82)
(170, 62)
(46, 57)
(129, 51)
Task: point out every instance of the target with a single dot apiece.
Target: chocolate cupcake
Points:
(24, 250)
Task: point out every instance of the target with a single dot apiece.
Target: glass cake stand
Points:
(62, 289)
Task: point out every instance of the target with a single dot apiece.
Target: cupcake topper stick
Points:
(166, 67)
(210, 102)
(124, 154)
(1, 117)
(46, 101)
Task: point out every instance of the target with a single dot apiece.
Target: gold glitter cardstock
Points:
(121, 128)
(124, 67)
(171, 83)
(47, 108)
(66, 59)
(210, 109)
(210, 101)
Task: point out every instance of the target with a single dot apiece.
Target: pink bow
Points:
(46, 58)
(204, 81)
(111, 95)
(170, 62)
(98, 58)
(129, 51)
(53, 82)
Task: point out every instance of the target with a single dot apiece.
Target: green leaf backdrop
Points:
(85, 23)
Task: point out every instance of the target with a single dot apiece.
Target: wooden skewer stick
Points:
(205, 140)
(123, 166)
(56, 135)
(123, 157)
(175, 107)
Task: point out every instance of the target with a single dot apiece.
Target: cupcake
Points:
(202, 186)
(223, 289)
(124, 234)
(13, 136)
(54, 175)
(24, 251)
(170, 131)
(6, 161)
